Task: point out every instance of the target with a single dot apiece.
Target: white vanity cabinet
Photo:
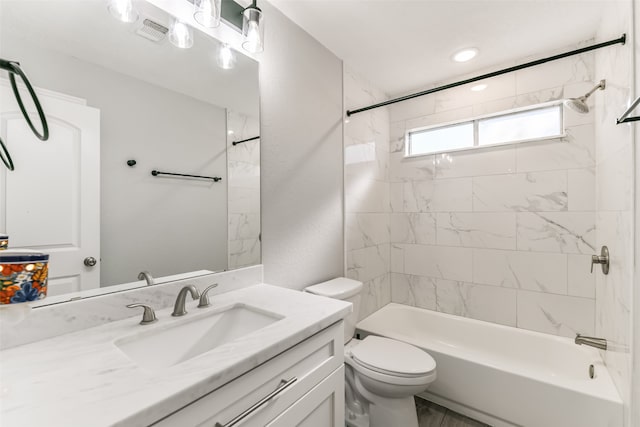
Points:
(302, 386)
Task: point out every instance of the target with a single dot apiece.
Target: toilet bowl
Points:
(382, 374)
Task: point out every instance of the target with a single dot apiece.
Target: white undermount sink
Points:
(186, 338)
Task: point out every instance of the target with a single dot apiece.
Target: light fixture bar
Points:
(252, 28)
(231, 13)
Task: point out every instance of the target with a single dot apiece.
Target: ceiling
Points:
(84, 29)
(402, 45)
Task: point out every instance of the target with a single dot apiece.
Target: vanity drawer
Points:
(321, 407)
(277, 384)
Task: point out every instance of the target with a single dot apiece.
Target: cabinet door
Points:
(323, 406)
(309, 363)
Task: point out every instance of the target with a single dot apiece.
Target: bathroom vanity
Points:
(259, 355)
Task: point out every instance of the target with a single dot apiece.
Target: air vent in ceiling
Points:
(153, 31)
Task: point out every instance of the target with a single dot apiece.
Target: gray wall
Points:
(302, 157)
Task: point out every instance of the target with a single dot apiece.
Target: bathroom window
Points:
(525, 124)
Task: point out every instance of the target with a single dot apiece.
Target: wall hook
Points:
(131, 163)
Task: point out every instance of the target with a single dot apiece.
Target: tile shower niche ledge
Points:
(125, 374)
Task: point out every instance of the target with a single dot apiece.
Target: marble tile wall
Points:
(634, 408)
(367, 232)
(499, 234)
(614, 145)
(244, 190)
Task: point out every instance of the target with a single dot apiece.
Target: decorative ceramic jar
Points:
(23, 276)
(4, 241)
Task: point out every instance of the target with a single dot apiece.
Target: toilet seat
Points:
(391, 361)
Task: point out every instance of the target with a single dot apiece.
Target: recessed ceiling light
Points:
(478, 88)
(465, 55)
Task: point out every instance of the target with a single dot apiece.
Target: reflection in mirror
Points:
(122, 101)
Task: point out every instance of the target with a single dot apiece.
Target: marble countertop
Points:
(83, 379)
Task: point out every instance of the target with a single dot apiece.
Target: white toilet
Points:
(382, 375)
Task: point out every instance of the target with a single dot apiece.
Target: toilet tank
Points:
(343, 289)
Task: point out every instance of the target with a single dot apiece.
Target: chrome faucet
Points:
(600, 343)
(178, 308)
(145, 275)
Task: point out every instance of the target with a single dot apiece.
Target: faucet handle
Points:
(149, 316)
(204, 296)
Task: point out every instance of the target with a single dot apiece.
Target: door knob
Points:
(90, 261)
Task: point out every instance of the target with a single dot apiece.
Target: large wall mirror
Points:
(122, 101)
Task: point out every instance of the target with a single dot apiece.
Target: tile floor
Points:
(432, 415)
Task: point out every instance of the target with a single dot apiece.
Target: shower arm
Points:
(600, 85)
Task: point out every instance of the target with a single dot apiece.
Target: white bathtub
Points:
(504, 376)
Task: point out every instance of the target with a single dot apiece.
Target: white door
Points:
(51, 201)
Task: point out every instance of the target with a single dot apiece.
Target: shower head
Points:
(580, 104)
(577, 104)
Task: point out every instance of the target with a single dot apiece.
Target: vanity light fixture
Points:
(180, 34)
(252, 29)
(226, 57)
(123, 10)
(478, 88)
(465, 55)
(207, 12)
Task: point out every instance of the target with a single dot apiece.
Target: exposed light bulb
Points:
(123, 10)
(252, 29)
(252, 44)
(180, 34)
(226, 58)
(207, 12)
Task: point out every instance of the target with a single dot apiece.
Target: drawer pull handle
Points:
(282, 387)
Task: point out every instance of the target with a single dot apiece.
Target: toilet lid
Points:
(392, 357)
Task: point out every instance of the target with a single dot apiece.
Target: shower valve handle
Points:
(603, 260)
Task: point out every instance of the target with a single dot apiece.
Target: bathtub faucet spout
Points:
(600, 343)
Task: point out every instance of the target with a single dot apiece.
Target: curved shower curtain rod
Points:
(620, 40)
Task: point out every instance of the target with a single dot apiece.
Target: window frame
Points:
(476, 120)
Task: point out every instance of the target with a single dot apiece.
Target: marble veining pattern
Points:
(372, 147)
(376, 293)
(477, 230)
(489, 303)
(615, 171)
(417, 291)
(515, 223)
(543, 272)
(103, 387)
(534, 192)
(557, 232)
(413, 228)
